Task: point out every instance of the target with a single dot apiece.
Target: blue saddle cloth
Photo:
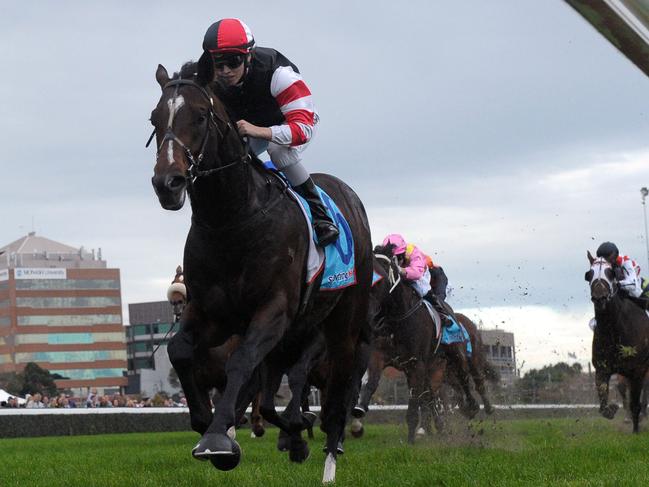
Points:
(456, 333)
(339, 266)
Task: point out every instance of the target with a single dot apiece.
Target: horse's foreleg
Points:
(264, 332)
(256, 420)
(374, 370)
(438, 402)
(181, 355)
(602, 378)
(634, 402)
(417, 384)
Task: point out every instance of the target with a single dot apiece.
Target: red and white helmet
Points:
(228, 36)
(398, 241)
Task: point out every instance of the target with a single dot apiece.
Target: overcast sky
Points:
(504, 138)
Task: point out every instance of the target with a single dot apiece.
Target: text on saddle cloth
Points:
(456, 333)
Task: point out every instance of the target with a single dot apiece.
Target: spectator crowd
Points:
(93, 400)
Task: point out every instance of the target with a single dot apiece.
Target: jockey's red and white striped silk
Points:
(296, 104)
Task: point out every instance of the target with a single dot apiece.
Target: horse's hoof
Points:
(627, 420)
(420, 432)
(227, 462)
(258, 431)
(283, 442)
(339, 449)
(609, 411)
(356, 428)
(299, 451)
(224, 453)
(489, 409)
(308, 419)
(470, 411)
(358, 412)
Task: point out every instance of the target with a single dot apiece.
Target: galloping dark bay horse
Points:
(244, 264)
(620, 339)
(406, 340)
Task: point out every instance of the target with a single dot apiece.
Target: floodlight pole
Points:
(644, 192)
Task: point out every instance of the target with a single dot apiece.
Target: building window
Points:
(70, 320)
(63, 357)
(494, 351)
(89, 374)
(5, 358)
(141, 347)
(68, 338)
(161, 328)
(67, 284)
(143, 363)
(5, 321)
(73, 302)
(138, 330)
(4, 303)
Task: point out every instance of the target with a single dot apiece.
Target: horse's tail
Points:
(491, 372)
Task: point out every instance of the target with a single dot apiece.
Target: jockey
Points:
(273, 106)
(438, 279)
(414, 268)
(626, 269)
(627, 272)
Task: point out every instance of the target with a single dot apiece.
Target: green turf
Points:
(567, 452)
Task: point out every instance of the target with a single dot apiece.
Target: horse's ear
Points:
(162, 76)
(589, 275)
(205, 69)
(591, 259)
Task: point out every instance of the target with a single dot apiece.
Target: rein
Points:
(394, 281)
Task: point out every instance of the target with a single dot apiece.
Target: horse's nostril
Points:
(175, 183)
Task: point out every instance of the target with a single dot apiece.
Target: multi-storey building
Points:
(60, 307)
(149, 368)
(500, 350)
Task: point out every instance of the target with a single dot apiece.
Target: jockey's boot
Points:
(444, 310)
(324, 227)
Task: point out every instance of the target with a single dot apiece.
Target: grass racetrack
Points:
(571, 452)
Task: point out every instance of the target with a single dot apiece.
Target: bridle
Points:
(600, 275)
(394, 278)
(394, 281)
(193, 170)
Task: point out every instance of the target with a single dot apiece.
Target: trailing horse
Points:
(245, 268)
(620, 339)
(405, 337)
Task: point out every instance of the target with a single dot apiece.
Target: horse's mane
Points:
(189, 70)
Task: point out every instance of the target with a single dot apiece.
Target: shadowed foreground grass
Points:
(570, 452)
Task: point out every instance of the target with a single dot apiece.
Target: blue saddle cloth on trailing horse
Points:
(337, 266)
(456, 333)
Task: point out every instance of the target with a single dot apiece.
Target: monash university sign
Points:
(39, 273)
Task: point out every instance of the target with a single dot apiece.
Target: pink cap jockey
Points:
(415, 259)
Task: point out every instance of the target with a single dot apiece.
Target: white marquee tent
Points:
(4, 396)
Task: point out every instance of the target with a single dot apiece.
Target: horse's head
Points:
(602, 280)
(189, 123)
(386, 259)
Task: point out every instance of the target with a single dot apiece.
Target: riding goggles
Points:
(231, 62)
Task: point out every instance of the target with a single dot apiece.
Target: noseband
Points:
(194, 171)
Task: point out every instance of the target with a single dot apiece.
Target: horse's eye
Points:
(201, 119)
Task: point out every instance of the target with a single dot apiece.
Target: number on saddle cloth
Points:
(340, 267)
